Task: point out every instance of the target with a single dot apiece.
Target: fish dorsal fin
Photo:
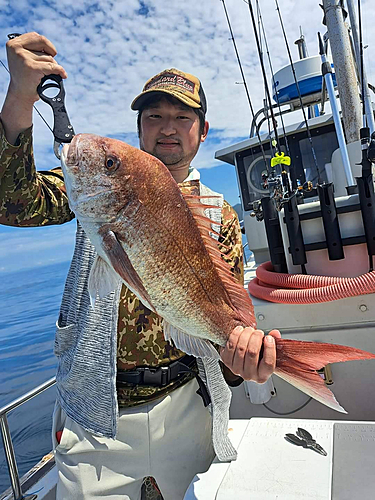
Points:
(200, 348)
(238, 298)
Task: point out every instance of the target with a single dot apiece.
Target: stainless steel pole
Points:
(344, 69)
(327, 73)
(10, 458)
(7, 439)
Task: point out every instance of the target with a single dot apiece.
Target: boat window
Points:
(250, 163)
(324, 146)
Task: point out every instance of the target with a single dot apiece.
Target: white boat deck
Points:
(270, 468)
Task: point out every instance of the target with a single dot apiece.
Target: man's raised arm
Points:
(30, 58)
(27, 197)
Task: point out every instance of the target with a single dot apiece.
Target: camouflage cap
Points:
(183, 86)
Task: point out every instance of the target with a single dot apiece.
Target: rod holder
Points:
(274, 236)
(367, 203)
(330, 221)
(293, 224)
(365, 142)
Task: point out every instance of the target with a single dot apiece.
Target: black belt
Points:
(160, 376)
(163, 375)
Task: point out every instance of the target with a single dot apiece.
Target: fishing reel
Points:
(282, 193)
(279, 186)
(273, 184)
(257, 211)
(306, 187)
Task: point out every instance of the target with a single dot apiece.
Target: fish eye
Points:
(112, 163)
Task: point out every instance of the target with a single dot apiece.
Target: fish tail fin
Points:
(297, 362)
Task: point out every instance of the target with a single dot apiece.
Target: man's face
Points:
(170, 132)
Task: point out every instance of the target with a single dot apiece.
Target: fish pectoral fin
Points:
(102, 280)
(124, 268)
(200, 348)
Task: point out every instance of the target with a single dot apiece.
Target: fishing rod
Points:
(361, 65)
(265, 107)
(289, 200)
(279, 158)
(325, 190)
(299, 95)
(268, 96)
(265, 209)
(365, 183)
(295, 184)
(368, 121)
(273, 79)
(245, 84)
(279, 155)
(265, 104)
(365, 131)
(366, 86)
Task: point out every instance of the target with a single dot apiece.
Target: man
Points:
(127, 404)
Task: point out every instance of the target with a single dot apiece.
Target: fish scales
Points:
(147, 233)
(185, 290)
(153, 221)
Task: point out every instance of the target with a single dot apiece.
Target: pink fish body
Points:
(159, 243)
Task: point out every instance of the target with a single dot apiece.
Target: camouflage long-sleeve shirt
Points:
(30, 198)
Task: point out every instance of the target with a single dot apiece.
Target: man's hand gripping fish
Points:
(158, 242)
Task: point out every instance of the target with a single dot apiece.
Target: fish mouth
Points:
(64, 153)
(69, 153)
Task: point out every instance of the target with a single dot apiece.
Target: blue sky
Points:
(110, 48)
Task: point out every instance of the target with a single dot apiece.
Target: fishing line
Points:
(299, 94)
(269, 132)
(266, 105)
(268, 96)
(245, 84)
(273, 80)
(36, 109)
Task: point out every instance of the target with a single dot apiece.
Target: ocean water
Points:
(29, 308)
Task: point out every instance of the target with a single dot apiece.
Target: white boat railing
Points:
(7, 439)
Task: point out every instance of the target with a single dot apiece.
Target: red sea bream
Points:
(160, 243)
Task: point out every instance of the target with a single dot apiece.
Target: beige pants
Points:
(169, 439)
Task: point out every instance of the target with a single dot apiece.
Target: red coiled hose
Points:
(306, 289)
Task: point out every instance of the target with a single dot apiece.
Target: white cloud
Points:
(110, 48)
